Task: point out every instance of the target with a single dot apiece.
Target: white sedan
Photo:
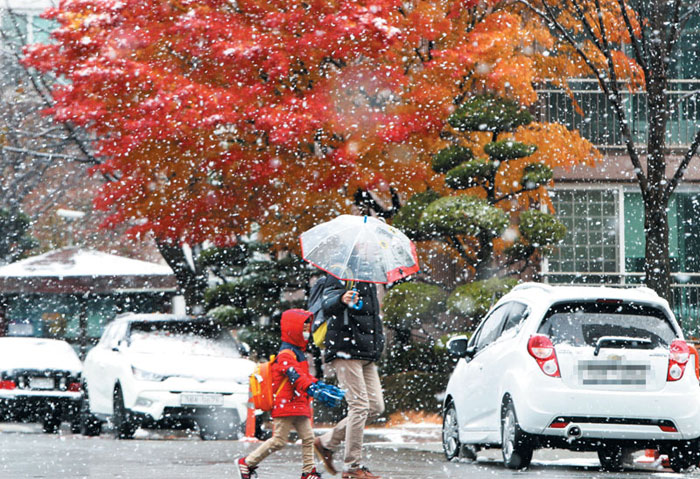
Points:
(582, 368)
(39, 382)
(165, 371)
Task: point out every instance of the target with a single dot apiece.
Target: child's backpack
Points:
(261, 385)
(315, 304)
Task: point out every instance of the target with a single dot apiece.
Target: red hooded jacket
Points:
(292, 399)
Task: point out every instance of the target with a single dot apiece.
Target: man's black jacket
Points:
(352, 333)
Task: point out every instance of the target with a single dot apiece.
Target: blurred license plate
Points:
(613, 372)
(41, 383)
(198, 399)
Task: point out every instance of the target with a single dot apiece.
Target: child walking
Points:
(292, 403)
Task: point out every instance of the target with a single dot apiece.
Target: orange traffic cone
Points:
(250, 421)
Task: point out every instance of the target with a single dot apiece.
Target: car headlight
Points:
(147, 375)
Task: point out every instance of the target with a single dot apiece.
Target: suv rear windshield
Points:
(583, 323)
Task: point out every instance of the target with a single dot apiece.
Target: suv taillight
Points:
(679, 354)
(541, 348)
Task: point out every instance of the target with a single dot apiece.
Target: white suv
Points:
(582, 368)
(158, 370)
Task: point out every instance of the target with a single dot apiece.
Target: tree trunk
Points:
(485, 262)
(656, 255)
(191, 283)
(657, 266)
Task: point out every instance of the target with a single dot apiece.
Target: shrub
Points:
(508, 150)
(229, 316)
(413, 374)
(408, 304)
(408, 218)
(463, 215)
(470, 174)
(489, 113)
(472, 301)
(536, 174)
(541, 229)
(447, 158)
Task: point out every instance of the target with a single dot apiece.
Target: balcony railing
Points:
(599, 122)
(684, 300)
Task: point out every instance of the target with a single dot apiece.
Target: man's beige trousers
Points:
(360, 380)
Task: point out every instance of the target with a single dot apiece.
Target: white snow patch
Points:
(81, 262)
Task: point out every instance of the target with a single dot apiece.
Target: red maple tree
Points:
(213, 114)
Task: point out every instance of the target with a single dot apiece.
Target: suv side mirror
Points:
(119, 346)
(458, 347)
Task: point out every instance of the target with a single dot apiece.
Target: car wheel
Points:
(89, 424)
(124, 425)
(516, 446)
(450, 433)
(684, 455)
(611, 457)
(51, 422)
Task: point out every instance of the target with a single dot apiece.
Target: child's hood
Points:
(292, 325)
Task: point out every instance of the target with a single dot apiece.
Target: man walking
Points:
(354, 342)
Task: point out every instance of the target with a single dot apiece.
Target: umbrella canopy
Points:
(360, 248)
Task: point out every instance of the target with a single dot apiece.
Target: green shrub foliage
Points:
(408, 304)
(408, 218)
(541, 229)
(489, 113)
(15, 240)
(508, 150)
(447, 158)
(470, 174)
(462, 215)
(535, 175)
(413, 375)
(472, 301)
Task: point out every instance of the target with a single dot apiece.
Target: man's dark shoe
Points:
(325, 456)
(244, 470)
(359, 473)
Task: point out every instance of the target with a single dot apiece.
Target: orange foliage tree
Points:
(213, 115)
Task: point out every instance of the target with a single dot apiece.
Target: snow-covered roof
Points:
(81, 262)
(28, 5)
(74, 270)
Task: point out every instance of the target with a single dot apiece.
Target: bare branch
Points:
(550, 19)
(43, 154)
(683, 166)
(640, 51)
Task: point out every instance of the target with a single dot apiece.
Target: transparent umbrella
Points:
(360, 248)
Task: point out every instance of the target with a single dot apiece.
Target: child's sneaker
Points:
(311, 475)
(244, 470)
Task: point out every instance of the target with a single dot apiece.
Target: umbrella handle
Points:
(358, 304)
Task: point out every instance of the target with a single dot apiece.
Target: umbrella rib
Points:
(383, 257)
(338, 232)
(347, 260)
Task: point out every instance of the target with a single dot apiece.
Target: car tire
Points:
(51, 422)
(516, 445)
(684, 455)
(89, 424)
(611, 457)
(450, 433)
(123, 423)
